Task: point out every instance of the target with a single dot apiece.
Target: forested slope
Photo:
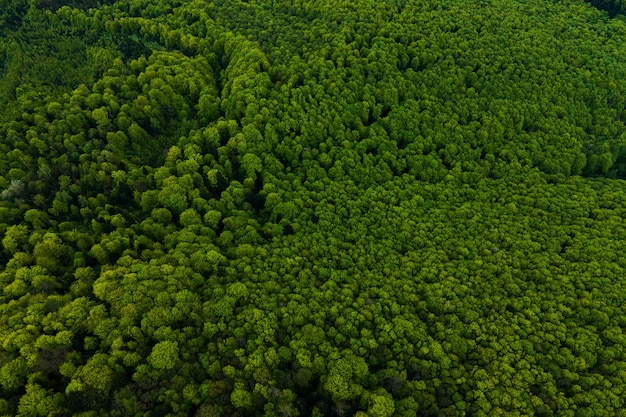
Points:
(329, 208)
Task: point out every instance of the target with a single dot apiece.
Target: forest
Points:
(285, 208)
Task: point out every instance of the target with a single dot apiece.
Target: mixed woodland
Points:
(312, 208)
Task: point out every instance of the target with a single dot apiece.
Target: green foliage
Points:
(381, 406)
(164, 355)
(93, 380)
(13, 374)
(240, 397)
(15, 238)
(39, 402)
(315, 208)
(343, 376)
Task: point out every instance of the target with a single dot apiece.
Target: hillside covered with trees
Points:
(312, 208)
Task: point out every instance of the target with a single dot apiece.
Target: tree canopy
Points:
(312, 208)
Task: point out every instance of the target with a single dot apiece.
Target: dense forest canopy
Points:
(312, 208)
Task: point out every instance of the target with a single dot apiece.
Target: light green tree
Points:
(164, 355)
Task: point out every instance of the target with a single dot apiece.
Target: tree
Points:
(15, 238)
(13, 375)
(381, 405)
(251, 165)
(343, 377)
(164, 355)
(51, 252)
(173, 196)
(190, 217)
(92, 382)
(38, 401)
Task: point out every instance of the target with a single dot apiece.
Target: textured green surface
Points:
(328, 208)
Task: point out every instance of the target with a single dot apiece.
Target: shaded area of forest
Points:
(612, 7)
